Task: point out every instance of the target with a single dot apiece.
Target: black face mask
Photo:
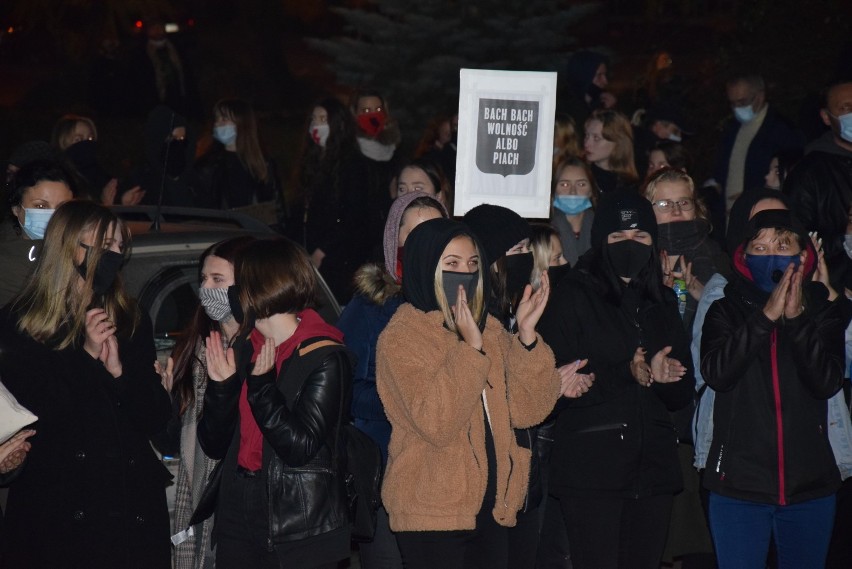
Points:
(557, 273)
(173, 157)
(234, 303)
(518, 272)
(451, 281)
(595, 93)
(628, 257)
(106, 270)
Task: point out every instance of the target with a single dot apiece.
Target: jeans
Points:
(741, 532)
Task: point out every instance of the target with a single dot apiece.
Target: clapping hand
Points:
(530, 309)
(786, 297)
(573, 384)
(265, 359)
(665, 369)
(220, 363)
(166, 374)
(466, 325)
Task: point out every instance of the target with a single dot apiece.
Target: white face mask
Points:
(319, 134)
(35, 222)
(847, 244)
(675, 138)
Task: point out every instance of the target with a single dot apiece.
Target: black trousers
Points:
(489, 546)
(616, 533)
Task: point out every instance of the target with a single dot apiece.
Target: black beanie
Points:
(498, 229)
(619, 211)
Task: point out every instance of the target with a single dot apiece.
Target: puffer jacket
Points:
(299, 418)
(772, 380)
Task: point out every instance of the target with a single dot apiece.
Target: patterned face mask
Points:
(215, 303)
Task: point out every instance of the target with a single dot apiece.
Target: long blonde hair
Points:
(477, 305)
(53, 304)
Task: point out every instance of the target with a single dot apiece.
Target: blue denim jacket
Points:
(839, 422)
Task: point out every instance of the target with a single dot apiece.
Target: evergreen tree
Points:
(412, 51)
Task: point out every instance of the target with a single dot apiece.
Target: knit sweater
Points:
(436, 389)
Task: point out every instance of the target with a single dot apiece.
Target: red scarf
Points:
(311, 325)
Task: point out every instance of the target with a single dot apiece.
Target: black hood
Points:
(740, 211)
(423, 250)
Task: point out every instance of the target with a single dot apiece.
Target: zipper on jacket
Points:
(719, 461)
(607, 427)
(779, 422)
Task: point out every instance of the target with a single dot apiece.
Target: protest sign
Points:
(505, 141)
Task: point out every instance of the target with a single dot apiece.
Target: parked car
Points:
(162, 272)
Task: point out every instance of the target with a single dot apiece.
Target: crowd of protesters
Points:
(659, 374)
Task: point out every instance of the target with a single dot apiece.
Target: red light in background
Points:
(138, 23)
(190, 22)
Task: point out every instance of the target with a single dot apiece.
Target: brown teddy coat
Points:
(433, 386)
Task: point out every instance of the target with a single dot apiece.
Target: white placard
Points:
(505, 141)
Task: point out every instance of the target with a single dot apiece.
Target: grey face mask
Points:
(215, 303)
(451, 281)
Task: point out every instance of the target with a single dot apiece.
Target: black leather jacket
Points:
(299, 416)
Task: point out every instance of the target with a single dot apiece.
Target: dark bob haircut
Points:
(275, 277)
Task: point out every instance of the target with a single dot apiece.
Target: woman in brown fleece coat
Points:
(454, 383)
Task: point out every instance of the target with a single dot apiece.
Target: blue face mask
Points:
(572, 205)
(226, 133)
(767, 270)
(744, 114)
(35, 222)
(845, 126)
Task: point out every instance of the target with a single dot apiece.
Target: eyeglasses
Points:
(683, 204)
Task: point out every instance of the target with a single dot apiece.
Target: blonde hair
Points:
(63, 130)
(477, 305)
(542, 248)
(617, 129)
(673, 175)
(53, 304)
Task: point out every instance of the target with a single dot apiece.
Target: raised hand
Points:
(220, 363)
(98, 328)
(109, 356)
(774, 308)
(665, 369)
(265, 359)
(466, 325)
(531, 308)
(793, 305)
(639, 368)
(572, 383)
(13, 451)
(133, 196)
(167, 374)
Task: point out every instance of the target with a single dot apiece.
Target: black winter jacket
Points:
(91, 492)
(769, 375)
(299, 419)
(820, 192)
(618, 438)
